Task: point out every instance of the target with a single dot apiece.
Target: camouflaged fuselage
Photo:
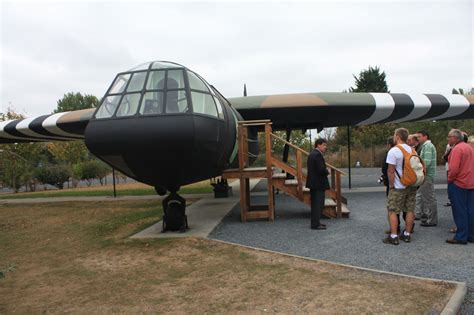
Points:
(313, 110)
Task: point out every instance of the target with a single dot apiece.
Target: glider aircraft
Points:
(162, 124)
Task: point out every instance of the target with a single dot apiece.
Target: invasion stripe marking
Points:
(50, 125)
(403, 106)
(422, 106)
(439, 106)
(24, 128)
(384, 105)
(458, 104)
(5, 134)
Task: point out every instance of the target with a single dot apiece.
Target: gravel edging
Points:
(451, 308)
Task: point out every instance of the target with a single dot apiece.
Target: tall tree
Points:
(370, 80)
(75, 101)
(72, 152)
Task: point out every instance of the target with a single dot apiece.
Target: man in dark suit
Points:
(317, 182)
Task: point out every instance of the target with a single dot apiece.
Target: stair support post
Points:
(268, 159)
(299, 173)
(338, 195)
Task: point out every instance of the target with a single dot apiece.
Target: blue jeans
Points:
(462, 202)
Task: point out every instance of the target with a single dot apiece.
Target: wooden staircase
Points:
(277, 174)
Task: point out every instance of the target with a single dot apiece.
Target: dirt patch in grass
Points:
(77, 257)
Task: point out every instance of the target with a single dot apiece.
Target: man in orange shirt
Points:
(461, 187)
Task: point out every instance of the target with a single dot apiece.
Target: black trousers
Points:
(317, 206)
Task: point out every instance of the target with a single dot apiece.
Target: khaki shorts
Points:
(401, 200)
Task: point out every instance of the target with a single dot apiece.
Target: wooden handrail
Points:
(307, 153)
(260, 122)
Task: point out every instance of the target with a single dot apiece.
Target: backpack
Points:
(413, 168)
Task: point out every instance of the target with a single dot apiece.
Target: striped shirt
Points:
(428, 155)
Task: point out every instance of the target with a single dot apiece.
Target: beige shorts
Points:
(401, 200)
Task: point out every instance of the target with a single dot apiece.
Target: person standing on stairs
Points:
(317, 181)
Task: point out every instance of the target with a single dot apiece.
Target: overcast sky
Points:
(51, 48)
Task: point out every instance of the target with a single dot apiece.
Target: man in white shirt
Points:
(400, 198)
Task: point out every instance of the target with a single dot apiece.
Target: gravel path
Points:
(358, 241)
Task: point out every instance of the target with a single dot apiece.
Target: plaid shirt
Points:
(428, 155)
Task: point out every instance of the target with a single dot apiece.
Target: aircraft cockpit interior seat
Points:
(172, 96)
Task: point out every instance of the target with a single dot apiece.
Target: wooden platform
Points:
(277, 174)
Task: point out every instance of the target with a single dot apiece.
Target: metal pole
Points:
(113, 180)
(349, 154)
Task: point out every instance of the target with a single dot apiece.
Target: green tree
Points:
(75, 101)
(55, 175)
(90, 170)
(370, 80)
(18, 160)
(72, 152)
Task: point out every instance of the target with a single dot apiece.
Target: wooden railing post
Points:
(243, 182)
(268, 160)
(333, 179)
(299, 173)
(245, 139)
(338, 195)
(241, 148)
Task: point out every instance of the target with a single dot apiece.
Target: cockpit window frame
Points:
(187, 89)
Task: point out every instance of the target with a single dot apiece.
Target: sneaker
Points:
(405, 238)
(393, 241)
(390, 231)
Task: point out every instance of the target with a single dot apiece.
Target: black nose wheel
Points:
(174, 208)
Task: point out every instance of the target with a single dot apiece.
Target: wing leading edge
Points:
(65, 126)
(316, 110)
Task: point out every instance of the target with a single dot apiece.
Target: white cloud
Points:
(49, 49)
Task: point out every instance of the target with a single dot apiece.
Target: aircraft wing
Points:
(318, 110)
(61, 126)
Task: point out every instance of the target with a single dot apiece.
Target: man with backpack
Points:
(405, 174)
(426, 208)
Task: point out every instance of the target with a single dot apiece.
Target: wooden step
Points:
(291, 182)
(248, 172)
(331, 211)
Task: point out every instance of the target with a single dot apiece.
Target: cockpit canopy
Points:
(159, 88)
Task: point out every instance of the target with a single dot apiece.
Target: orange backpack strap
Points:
(405, 153)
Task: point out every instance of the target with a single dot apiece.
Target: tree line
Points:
(53, 163)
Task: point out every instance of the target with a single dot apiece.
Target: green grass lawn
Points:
(77, 257)
(101, 191)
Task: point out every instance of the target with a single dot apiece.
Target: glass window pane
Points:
(175, 79)
(176, 102)
(152, 103)
(204, 104)
(196, 83)
(156, 80)
(136, 84)
(142, 66)
(108, 106)
(120, 83)
(128, 105)
(220, 112)
(163, 65)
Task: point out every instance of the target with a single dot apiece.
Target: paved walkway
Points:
(203, 216)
